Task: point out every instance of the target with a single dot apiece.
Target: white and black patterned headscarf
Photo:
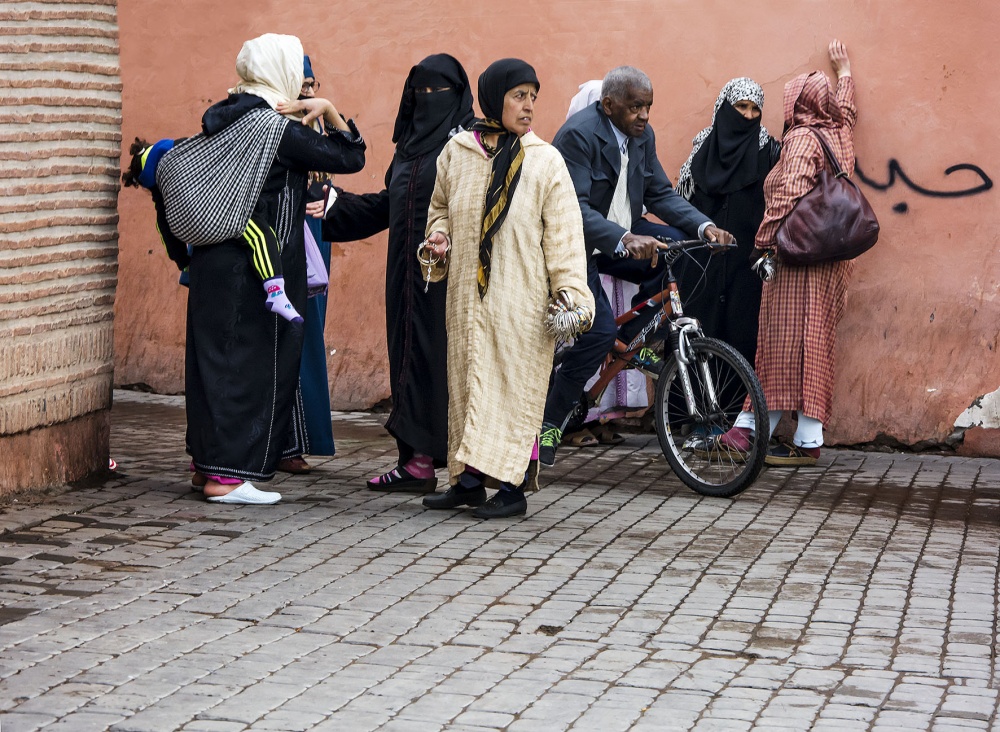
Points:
(735, 91)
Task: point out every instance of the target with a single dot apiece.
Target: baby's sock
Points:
(278, 302)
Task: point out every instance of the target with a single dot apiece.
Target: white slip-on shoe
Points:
(246, 494)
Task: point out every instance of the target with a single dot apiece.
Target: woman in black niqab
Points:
(724, 179)
(436, 103)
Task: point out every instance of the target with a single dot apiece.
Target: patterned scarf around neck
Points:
(504, 177)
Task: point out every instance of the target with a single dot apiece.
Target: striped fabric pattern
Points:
(496, 399)
(498, 196)
(801, 307)
(211, 183)
(256, 238)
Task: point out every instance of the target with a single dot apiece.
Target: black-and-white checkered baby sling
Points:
(211, 183)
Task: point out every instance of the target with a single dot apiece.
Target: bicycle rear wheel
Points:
(687, 440)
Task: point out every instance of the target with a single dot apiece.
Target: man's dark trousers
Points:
(584, 357)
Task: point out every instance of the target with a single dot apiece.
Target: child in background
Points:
(264, 248)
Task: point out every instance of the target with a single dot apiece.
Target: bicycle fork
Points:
(681, 332)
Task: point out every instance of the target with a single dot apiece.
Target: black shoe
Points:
(456, 496)
(548, 441)
(503, 504)
(785, 454)
(398, 480)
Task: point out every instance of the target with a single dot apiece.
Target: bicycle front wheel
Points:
(721, 382)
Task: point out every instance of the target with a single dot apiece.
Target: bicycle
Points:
(703, 385)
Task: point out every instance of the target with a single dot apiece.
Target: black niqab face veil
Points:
(728, 161)
(724, 156)
(425, 120)
(494, 83)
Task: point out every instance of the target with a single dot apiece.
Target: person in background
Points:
(242, 362)
(628, 389)
(801, 306)
(314, 430)
(436, 105)
(511, 257)
(724, 178)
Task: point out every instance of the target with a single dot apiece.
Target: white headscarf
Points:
(590, 92)
(270, 67)
(735, 90)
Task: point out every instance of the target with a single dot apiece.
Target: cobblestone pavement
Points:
(861, 594)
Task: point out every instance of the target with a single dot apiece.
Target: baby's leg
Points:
(266, 258)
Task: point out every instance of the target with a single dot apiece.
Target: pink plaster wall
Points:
(919, 341)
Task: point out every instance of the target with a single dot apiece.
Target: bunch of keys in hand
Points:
(564, 319)
(435, 266)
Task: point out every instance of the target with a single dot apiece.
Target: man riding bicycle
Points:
(597, 143)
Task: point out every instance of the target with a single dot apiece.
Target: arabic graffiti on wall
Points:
(896, 172)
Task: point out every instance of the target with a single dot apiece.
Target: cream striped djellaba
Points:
(499, 349)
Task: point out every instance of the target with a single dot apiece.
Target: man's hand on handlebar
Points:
(641, 247)
(714, 235)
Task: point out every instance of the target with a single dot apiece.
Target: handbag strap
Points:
(838, 172)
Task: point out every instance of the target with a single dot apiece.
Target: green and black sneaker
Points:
(547, 443)
(647, 360)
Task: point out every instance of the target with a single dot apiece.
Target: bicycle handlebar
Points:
(671, 245)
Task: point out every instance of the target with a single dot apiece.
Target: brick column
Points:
(60, 134)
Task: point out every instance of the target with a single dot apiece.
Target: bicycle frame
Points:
(622, 352)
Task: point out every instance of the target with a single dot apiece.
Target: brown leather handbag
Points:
(831, 223)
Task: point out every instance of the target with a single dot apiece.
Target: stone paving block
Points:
(665, 723)
(556, 709)
(436, 707)
(252, 703)
(181, 708)
(82, 721)
(470, 680)
(607, 718)
(21, 722)
(450, 657)
(948, 724)
(360, 721)
(914, 697)
(33, 681)
(487, 720)
(891, 721)
(711, 724)
(406, 724)
(838, 725)
(297, 720)
(816, 679)
(971, 703)
(847, 712)
(212, 725)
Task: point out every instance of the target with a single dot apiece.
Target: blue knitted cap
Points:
(150, 159)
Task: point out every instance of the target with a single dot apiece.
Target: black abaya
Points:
(415, 331)
(436, 101)
(242, 361)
